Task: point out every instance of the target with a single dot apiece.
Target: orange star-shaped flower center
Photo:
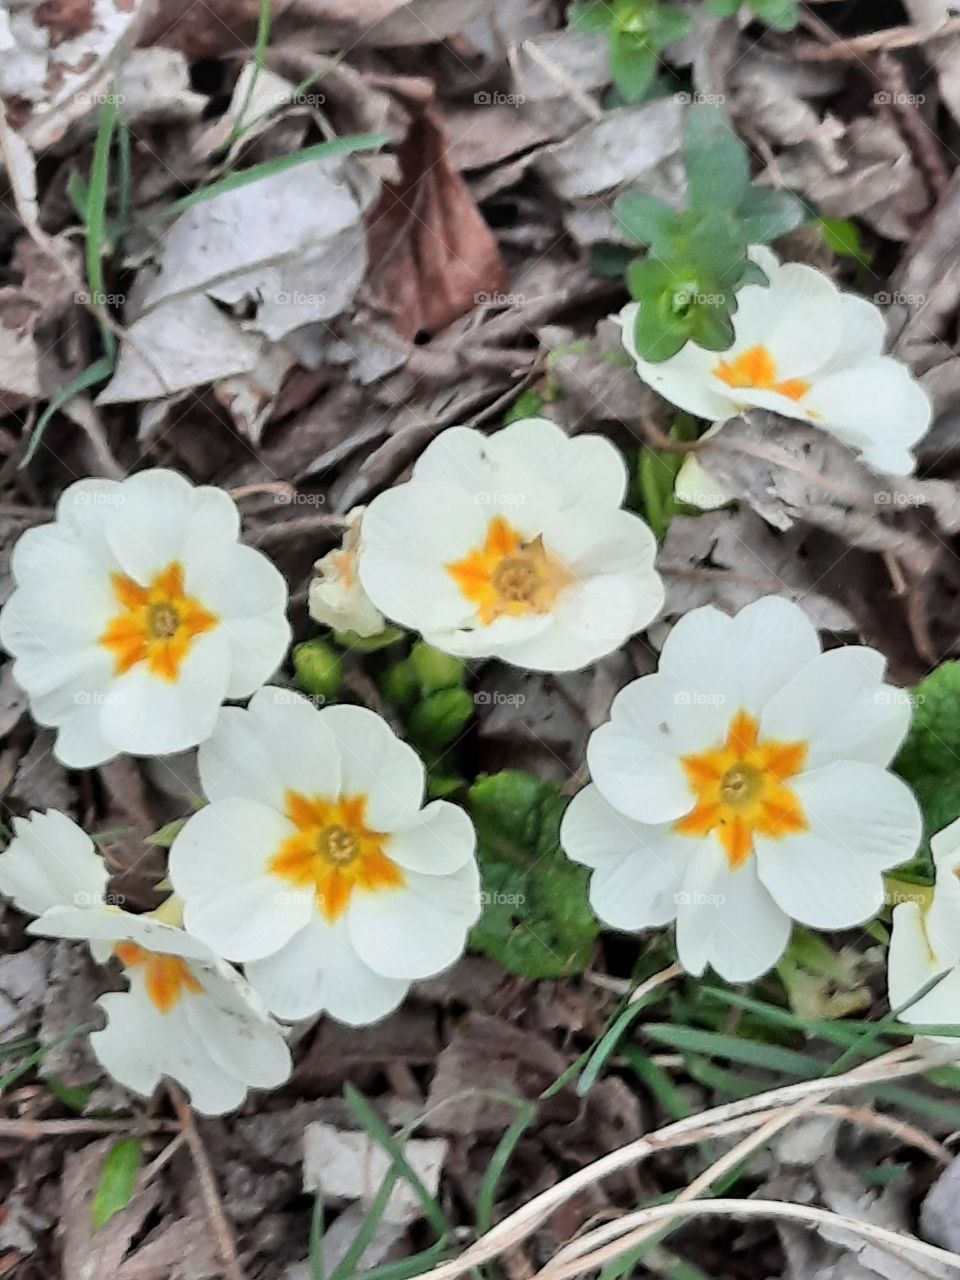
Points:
(509, 577)
(157, 624)
(740, 792)
(334, 852)
(167, 977)
(756, 369)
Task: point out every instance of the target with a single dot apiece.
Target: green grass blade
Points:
(96, 220)
(259, 56)
(95, 373)
(370, 1121)
(322, 151)
(748, 1053)
(486, 1195)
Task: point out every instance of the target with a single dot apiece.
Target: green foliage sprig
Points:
(638, 32)
(697, 260)
(779, 15)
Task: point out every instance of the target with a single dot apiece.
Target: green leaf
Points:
(528, 403)
(718, 166)
(659, 331)
(367, 644)
(723, 8)
(648, 220)
(669, 25)
(712, 327)
(439, 720)
(633, 64)
(536, 918)
(75, 1097)
(843, 236)
(594, 18)
(117, 1182)
(780, 15)
(164, 836)
(766, 214)
(928, 758)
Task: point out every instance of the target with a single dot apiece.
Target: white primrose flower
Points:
(136, 613)
(336, 597)
(925, 945)
(745, 785)
(513, 545)
(806, 349)
(314, 863)
(187, 1015)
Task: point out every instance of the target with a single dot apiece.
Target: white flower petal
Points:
(797, 318)
(147, 715)
(50, 862)
(640, 781)
(911, 963)
(107, 925)
(219, 865)
(583, 470)
(862, 821)
(840, 705)
(160, 516)
(374, 762)
(697, 486)
(318, 971)
(748, 656)
(441, 839)
(237, 1038)
(280, 743)
(502, 635)
(728, 919)
(876, 407)
(419, 930)
(685, 379)
(638, 869)
(410, 534)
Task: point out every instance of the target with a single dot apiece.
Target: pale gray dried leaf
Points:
(249, 397)
(555, 77)
(598, 379)
(297, 268)
(731, 558)
(339, 1237)
(62, 73)
(177, 361)
(875, 178)
(771, 95)
(634, 146)
(351, 1165)
(183, 1249)
(791, 473)
(940, 1212)
(489, 133)
(23, 983)
(90, 1254)
(154, 87)
(41, 781)
(69, 1012)
(19, 360)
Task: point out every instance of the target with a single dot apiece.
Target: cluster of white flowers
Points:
(744, 786)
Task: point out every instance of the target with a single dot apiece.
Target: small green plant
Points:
(638, 31)
(697, 260)
(779, 15)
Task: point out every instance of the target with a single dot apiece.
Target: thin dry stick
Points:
(208, 1187)
(741, 1114)
(856, 46)
(35, 1130)
(611, 1230)
(894, 1242)
(907, 1133)
(658, 980)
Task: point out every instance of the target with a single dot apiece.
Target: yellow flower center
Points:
(756, 369)
(156, 624)
(508, 576)
(334, 852)
(167, 977)
(739, 789)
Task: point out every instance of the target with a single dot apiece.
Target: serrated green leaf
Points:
(766, 214)
(718, 166)
(536, 918)
(648, 220)
(117, 1181)
(928, 758)
(669, 25)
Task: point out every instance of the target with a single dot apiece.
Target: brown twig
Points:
(208, 1187)
(855, 47)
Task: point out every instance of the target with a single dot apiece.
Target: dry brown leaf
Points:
(433, 257)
